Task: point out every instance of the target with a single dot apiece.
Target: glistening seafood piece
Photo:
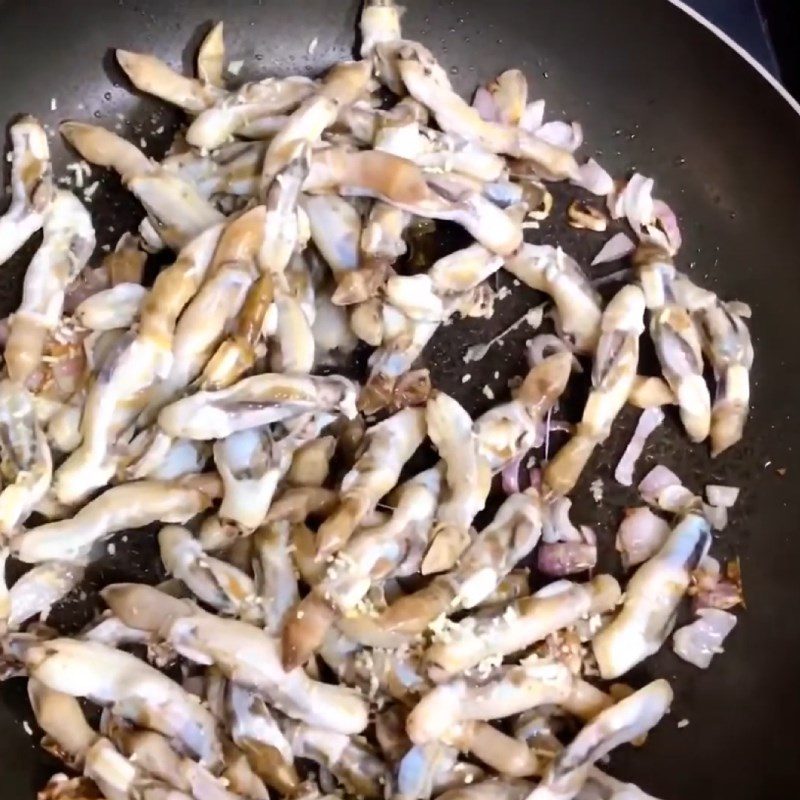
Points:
(253, 461)
(59, 715)
(25, 457)
(467, 471)
(259, 400)
(247, 655)
(350, 760)
(387, 448)
(221, 585)
(394, 548)
(275, 574)
(549, 269)
(513, 690)
(68, 241)
(614, 371)
(402, 183)
(511, 429)
(132, 366)
(141, 693)
(651, 599)
(496, 550)
(31, 186)
(630, 718)
(176, 208)
(727, 344)
(130, 505)
(676, 338)
(518, 625)
(41, 588)
(339, 88)
(114, 308)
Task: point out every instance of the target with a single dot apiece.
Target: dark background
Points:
(783, 21)
(767, 29)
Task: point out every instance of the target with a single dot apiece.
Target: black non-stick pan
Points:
(656, 91)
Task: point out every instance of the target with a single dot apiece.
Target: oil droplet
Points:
(98, 115)
(259, 57)
(454, 70)
(107, 95)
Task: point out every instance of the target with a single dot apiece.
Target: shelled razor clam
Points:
(341, 619)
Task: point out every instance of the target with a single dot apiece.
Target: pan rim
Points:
(755, 64)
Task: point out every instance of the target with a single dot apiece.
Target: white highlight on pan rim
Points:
(755, 64)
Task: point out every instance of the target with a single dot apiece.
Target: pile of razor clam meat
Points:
(333, 624)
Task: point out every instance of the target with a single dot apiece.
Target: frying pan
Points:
(656, 91)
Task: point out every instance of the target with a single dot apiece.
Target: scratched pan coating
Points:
(655, 91)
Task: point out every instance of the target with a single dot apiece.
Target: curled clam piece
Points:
(549, 269)
(676, 338)
(25, 457)
(387, 448)
(67, 733)
(255, 730)
(31, 186)
(402, 183)
(243, 651)
(614, 371)
(41, 588)
(464, 269)
(152, 76)
(117, 307)
(176, 209)
(428, 84)
(141, 693)
(256, 110)
(621, 723)
(342, 86)
(256, 401)
(513, 690)
(726, 341)
(651, 597)
(275, 574)
(217, 583)
(521, 623)
(510, 429)
(468, 475)
(373, 553)
(68, 241)
(130, 505)
(495, 551)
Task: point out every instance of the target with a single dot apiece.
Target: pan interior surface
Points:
(655, 92)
